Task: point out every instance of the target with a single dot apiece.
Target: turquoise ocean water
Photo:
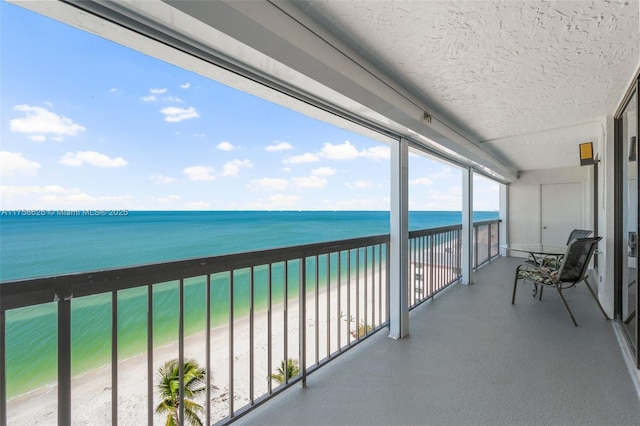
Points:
(55, 244)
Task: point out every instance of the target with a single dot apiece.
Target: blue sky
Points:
(87, 123)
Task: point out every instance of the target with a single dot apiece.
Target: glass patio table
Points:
(538, 252)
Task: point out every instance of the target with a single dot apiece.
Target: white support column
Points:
(467, 226)
(504, 216)
(399, 247)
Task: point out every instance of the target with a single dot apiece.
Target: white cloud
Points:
(443, 173)
(113, 90)
(360, 204)
(304, 158)
(157, 91)
(344, 151)
(377, 153)
(169, 199)
(310, 182)
(347, 151)
(42, 123)
(172, 99)
(277, 201)
(200, 173)
(225, 146)
(450, 199)
(149, 98)
(360, 184)
(232, 168)
(268, 184)
(279, 146)
(174, 114)
(54, 197)
(185, 86)
(421, 181)
(14, 191)
(323, 171)
(197, 205)
(13, 163)
(161, 179)
(282, 200)
(92, 158)
(41, 138)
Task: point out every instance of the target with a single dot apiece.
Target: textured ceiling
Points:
(511, 74)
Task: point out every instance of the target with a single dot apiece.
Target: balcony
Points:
(249, 302)
(474, 359)
(471, 358)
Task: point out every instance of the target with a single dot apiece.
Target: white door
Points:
(560, 211)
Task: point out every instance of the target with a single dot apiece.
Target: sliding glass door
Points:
(627, 228)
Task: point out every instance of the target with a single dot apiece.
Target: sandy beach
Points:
(91, 391)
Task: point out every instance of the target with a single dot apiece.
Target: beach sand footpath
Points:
(91, 392)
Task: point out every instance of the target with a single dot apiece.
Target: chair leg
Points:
(596, 299)
(566, 305)
(540, 295)
(515, 283)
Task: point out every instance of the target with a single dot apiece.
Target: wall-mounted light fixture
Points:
(633, 148)
(586, 154)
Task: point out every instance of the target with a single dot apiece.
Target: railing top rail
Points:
(487, 222)
(433, 231)
(35, 291)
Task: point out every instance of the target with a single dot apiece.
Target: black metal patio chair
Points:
(572, 270)
(554, 261)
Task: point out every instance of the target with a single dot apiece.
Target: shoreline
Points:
(91, 390)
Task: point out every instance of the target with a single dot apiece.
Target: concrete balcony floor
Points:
(472, 358)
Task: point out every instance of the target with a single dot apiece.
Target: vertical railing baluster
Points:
(490, 240)
(349, 296)
(269, 325)
(317, 311)
(150, 355)
(302, 319)
(286, 318)
(3, 369)
(388, 281)
(251, 337)
(412, 277)
(231, 378)
(449, 256)
(380, 292)
(114, 358)
(208, 348)
(328, 293)
(181, 352)
(339, 301)
(431, 275)
(64, 362)
(366, 284)
(357, 294)
(475, 246)
(460, 253)
(373, 286)
(423, 291)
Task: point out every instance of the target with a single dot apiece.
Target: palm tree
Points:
(292, 370)
(169, 390)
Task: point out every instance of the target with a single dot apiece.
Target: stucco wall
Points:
(524, 200)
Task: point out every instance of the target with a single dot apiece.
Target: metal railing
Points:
(435, 259)
(251, 314)
(486, 241)
(306, 304)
